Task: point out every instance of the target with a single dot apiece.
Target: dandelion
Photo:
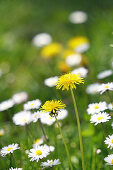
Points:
(82, 71)
(5, 105)
(20, 97)
(2, 132)
(74, 59)
(51, 81)
(78, 17)
(104, 74)
(63, 66)
(9, 149)
(96, 107)
(109, 159)
(92, 88)
(34, 104)
(105, 87)
(50, 163)
(37, 153)
(109, 141)
(100, 118)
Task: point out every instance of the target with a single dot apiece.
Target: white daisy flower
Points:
(50, 163)
(110, 106)
(22, 118)
(38, 141)
(2, 132)
(42, 39)
(62, 113)
(37, 153)
(104, 87)
(74, 59)
(100, 118)
(20, 97)
(15, 168)
(109, 141)
(35, 116)
(5, 105)
(92, 88)
(81, 70)
(45, 118)
(104, 74)
(9, 149)
(49, 148)
(96, 107)
(109, 159)
(98, 151)
(78, 17)
(34, 104)
(51, 81)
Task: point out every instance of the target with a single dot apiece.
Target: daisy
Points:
(51, 82)
(49, 148)
(34, 104)
(69, 80)
(92, 88)
(22, 118)
(20, 97)
(105, 87)
(5, 105)
(100, 118)
(35, 116)
(74, 59)
(82, 71)
(45, 118)
(15, 168)
(42, 39)
(109, 159)
(37, 153)
(110, 106)
(62, 113)
(104, 74)
(112, 125)
(38, 141)
(9, 149)
(109, 141)
(96, 107)
(50, 163)
(2, 132)
(52, 106)
(78, 17)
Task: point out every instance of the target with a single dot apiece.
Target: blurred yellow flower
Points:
(63, 67)
(51, 50)
(79, 43)
(52, 106)
(69, 80)
(67, 52)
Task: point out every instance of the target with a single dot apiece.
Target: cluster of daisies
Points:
(100, 113)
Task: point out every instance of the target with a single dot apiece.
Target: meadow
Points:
(24, 67)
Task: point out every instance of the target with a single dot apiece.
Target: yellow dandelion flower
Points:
(52, 106)
(67, 52)
(63, 67)
(51, 50)
(69, 80)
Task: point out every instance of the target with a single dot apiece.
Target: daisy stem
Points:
(41, 126)
(67, 151)
(79, 129)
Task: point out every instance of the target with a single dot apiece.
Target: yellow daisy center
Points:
(96, 106)
(24, 120)
(112, 141)
(36, 115)
(106, 86)
(50, 117)
(37, 141)
(100, 118)
(1, 133)
(32, 104)
(38, 152)
(112, 161)
(8, 149)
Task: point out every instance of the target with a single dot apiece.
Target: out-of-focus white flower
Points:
(38, 141)
(78, 17)
(96, 107)
(37, 153)
(104, 87)
(74, 59)
(9, 149)
(2, 132)
(51, 81)
(100, 118)
(109, 159)
(62, 113)
(81, 70)
(110, 106)
(35, 116)
(20, 97)
(15, 168)
(112, 125)
(109, 141)
(98, 151)
(42, 39)
(27, 151)
(5, 105)
(34, 104)
(92, 88)
(46, 119)
(50, 163)
(22, 118)
(49, 148)
(104, 74)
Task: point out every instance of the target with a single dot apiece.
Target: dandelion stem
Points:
(79, 129)
(41, 126)
(67, 151)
